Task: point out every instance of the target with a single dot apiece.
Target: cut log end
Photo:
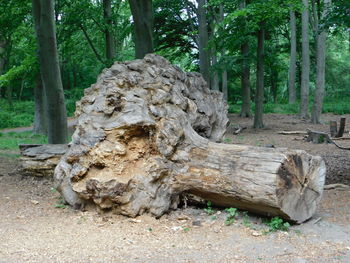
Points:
(300, 181)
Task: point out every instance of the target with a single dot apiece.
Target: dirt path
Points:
(71, 123)
(32, 229)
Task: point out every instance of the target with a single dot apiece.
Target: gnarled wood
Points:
(147, 133)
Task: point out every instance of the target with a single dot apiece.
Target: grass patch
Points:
(11, 140)
(332, 105)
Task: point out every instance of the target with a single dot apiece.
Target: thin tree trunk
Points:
(91, 44)
(321, 36)
(305, 66)
(224, 84)
(204, 63)
(224, 87)
(245, 82)
(259, 96)
(43, 14)
(9, 90)
(40, 116)
(3, 44)
(274, 81)
(215, 73)
(3, 59)
(293, 59)
(110, 45)
(142, 13)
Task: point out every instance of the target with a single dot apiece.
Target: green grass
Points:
(10, 141)
(336, 106)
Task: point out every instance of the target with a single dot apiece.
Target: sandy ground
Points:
(32, 229)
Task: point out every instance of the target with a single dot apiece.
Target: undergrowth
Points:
(11, 140)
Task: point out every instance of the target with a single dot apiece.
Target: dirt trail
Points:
(32, 229)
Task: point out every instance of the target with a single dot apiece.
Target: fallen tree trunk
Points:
(146, 134)
(40, 160)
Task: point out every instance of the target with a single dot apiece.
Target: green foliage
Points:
(209, 209)
(231, 217)
(20, 114)
(11, 140)
(277, 223)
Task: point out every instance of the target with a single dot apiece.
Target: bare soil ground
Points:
(32, 229)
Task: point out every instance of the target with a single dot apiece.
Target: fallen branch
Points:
(292, 132)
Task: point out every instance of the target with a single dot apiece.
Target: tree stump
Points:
(147, 133)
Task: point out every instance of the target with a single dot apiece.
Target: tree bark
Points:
(274, 83)
(293, 59)
(204, 61)
(224, 87)
(3, 45)
(142, 13)
(40, 115)
(215, 73)
(259, 95)
(305, 66)
(109, 36)
(224, 84)
(137, 148)
(43, 14)
(245, 82)
(321, 37)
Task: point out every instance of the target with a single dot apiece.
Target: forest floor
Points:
(34, 228)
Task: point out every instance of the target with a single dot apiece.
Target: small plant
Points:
(209, 209)
(246, 221)
(60, 203)
(150, 229)
(277, 223)
(231, 217)
(227, 140)
(186, 229)
(62, 206)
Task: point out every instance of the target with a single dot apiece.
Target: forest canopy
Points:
(264, 55)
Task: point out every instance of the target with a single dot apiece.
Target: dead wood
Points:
(147, 133)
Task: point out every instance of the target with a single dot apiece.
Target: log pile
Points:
(147, 133)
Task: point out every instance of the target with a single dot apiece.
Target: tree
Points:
(293, 58)
(305, 65)
(142, 13)
(321, 37)
(245, 72)
(107, 14)
(44, 21)
(204, 61)
(259, 96)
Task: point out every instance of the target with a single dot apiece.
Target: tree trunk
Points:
(274, 83)
(137, 148)
(215, 73)
(40, 114)
(224, 87)
(3, 44)
(109, 37)
(9, 89)
(293, 59)
(142, 13)
(259, 95)
(204, 62)
(224, 84)
(305, 66)
(43, 13)
(3, 54)
(245, 82)
(321, 37)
